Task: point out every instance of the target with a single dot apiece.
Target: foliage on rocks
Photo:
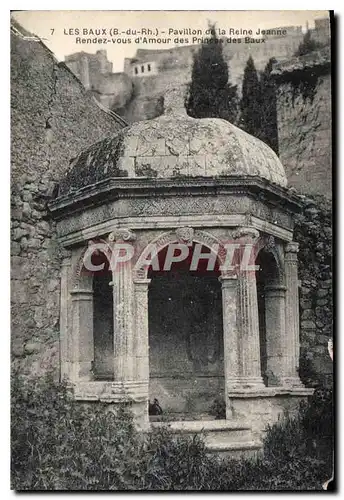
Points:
(61, 444)
(307, 45)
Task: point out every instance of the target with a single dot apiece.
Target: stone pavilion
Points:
(185, 337)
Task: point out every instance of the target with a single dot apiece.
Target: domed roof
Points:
(175, 145)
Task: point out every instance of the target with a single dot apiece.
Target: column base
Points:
(110, 391)
(291, 382)
(85, 370)
(239, 383)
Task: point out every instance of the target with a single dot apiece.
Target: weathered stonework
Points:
(52, 119)
(144, 186)
(183, 365)
(175, 146)
(305, 123)
(313, 231)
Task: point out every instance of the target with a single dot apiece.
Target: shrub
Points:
(218, 408)
(58, 443)
(61, 444)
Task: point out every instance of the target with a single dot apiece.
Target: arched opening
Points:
(96, 317)
(185, 336)
(271, 314)
(103, 334)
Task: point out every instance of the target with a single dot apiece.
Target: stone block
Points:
(307, 314)
(177, 146)
(308, 325)
(19, 232)
(150, 147)
(32, 347)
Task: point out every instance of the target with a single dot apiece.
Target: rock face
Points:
(304, 122)
(52, 119)
(175, 145)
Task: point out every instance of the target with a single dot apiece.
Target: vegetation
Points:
(307, 45)
(250, 103)
(210, 94)
(268, 132)
(258, 104)
(59, 444)
(218, 408)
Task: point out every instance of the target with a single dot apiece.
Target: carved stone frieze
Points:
(174, 206)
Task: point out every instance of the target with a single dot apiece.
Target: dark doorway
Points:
(103, 368)
(266, 276)
(185, 337)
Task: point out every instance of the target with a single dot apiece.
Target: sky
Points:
(58, 28)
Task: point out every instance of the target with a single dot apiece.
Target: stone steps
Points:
(181, 417)
(248, 449)
(226, 437)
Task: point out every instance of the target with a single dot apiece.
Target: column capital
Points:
(66, 262)
(81, 294)
(121, 234)
(275, 288)
(228, 280)
(292, 247)
(142, 282)
(249, 235)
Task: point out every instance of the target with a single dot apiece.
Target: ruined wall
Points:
(313, 232)
(113, 90)
(52, 120)
(174, 67)
(304, 122)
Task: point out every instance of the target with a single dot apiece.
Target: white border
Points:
(5, 177)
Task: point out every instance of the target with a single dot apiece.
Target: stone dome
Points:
(175, 145)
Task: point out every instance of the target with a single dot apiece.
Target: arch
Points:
(86, 295)
(181, 235)
(185, 325)
(268, 244)
(81, 277)
(271, 313)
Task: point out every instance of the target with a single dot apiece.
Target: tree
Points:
(250, 105)
(210, 94)
(307, 45)
(268, 132)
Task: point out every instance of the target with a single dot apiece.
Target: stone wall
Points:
(313, 232)
(52, 119)
(304, 122)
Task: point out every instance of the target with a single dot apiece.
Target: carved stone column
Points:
(124, 356)
(82, 337)
(141, 347)
(231, 339)
(292, 341)
(65, 335)
(248, 322)
(275, 333)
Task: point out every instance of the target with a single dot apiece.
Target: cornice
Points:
(112, 189)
